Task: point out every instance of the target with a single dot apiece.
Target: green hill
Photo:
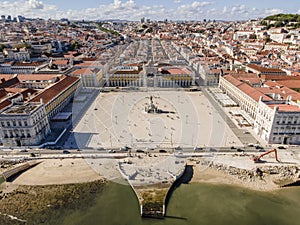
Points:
(282, 20)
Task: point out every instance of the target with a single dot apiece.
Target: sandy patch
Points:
(213, 176)
(58, 171)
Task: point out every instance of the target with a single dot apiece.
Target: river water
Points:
(195, 204)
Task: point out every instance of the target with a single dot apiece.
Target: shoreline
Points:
(58, 193)
(259, 179)
(79, 171)
(213, 176)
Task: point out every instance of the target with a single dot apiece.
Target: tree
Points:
(253, 36)
(2, 46)
(268, 39)
(279, 24)
(264, 23)
(74, 45)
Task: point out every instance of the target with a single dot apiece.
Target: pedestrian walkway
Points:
(244, 138)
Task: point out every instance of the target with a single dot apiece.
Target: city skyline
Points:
(155, 10)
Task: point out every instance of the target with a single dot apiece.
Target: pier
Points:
(151, 180)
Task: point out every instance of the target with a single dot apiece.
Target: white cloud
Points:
(273, 11)
(129, 10)
(190, 11)
(238, 9)
(28, 8)
(34, 4)
(211, 11)
(117, 2)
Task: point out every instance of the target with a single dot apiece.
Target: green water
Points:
(197, 204)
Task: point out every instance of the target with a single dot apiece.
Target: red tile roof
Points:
(290, 83)
(61, 62)
(5, 103)
(285, 107)
(35, 64)
(3, 94)
(265, 70)
(83, 71)
(50, 93)
(24, 77)
(253, 92)
(232, 80)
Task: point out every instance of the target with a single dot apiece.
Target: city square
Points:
(119, 119)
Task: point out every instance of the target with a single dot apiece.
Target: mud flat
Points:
(46, 204)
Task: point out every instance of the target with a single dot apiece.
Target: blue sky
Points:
(153, 9)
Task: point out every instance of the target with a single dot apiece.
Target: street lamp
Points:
(171, 139)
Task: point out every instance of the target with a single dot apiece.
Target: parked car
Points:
(125, 148)
(198, 148)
